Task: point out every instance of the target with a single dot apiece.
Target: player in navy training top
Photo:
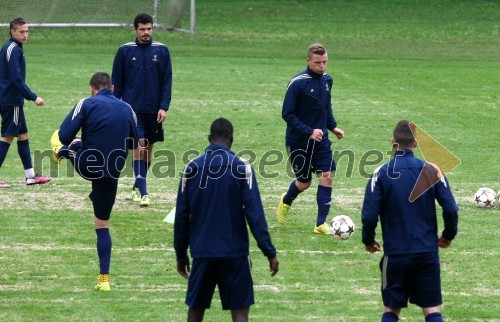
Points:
(307, 110)
(218, 197)
(403, 194)
(109, 130)
(13, 92)
(142, 76)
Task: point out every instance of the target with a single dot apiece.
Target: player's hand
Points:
(443, 242)
(374, 247)
(274, 265)
(317, 135)
(339, 133)
(184, 269)
(162, 115)
(39, 101)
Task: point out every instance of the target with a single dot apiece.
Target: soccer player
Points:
(307, 111)
(142, 76)
(218, 196)
(13, 92)
(410, 265)
(109, 129)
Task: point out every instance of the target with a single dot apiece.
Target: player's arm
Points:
(254, 211)
(166, 83)
(371, 209)
(288, 112)
(134, 132)
(450, 210)
(72, 123)
(182, 223)
(118, 74)
(15, 75)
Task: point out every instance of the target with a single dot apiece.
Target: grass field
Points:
(434, 62)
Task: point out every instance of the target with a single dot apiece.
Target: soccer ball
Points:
(485, 198)
(342, 227)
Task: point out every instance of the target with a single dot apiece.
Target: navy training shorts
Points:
(103, 194)
(232, 276)
(315, 158)
(413, 277)
(13, 121)
(149, 128)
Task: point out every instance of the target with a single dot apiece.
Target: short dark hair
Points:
(221, 128)
(143, 18)
(100, 80)
(16, 22)
(316, 49)
(404, 134)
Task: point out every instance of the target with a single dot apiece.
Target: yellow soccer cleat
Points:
(145, 201)
(136, 195)
(283, 210)
(322, 229)
(56, 146)
(102, 286)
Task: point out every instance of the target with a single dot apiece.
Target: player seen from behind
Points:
(403, 194)
(108, 129)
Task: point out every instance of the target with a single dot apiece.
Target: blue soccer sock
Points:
(4, 148)
(23, 148)
(104, 249)
(291, 194)
(140, 171)
(434, 317)
(389, 317)
(324, 200)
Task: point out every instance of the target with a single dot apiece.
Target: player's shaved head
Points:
(221, 132)
(404, 135)
(100, 80)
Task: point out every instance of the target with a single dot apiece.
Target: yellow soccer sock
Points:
(103, 278)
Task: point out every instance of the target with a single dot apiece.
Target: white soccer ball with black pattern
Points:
(342, 227)
(485, 198)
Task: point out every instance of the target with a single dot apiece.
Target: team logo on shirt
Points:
(155, 59)
(327, 88)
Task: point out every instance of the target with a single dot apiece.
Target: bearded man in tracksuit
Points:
(403, 194)
(307, 110)
(218, 196)
(142, 77)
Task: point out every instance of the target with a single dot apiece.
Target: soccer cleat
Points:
(56, 146)
(102, 286)
(145, 201)
(322, 229)
(4, 185)
(37, 180)
(135, 196)
(283, 210)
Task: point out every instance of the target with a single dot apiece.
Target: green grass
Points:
(434, 62)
